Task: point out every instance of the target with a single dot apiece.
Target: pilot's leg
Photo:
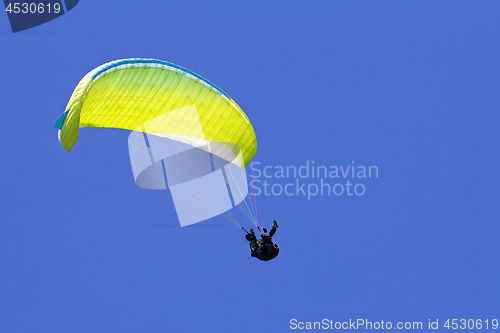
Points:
(273, 229)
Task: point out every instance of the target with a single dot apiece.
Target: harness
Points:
(266, 252)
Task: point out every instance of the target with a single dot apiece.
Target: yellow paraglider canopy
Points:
(128, 93)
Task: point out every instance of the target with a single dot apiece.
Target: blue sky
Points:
(408, 86)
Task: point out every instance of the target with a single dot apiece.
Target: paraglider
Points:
(264, 248)
(186, 134)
